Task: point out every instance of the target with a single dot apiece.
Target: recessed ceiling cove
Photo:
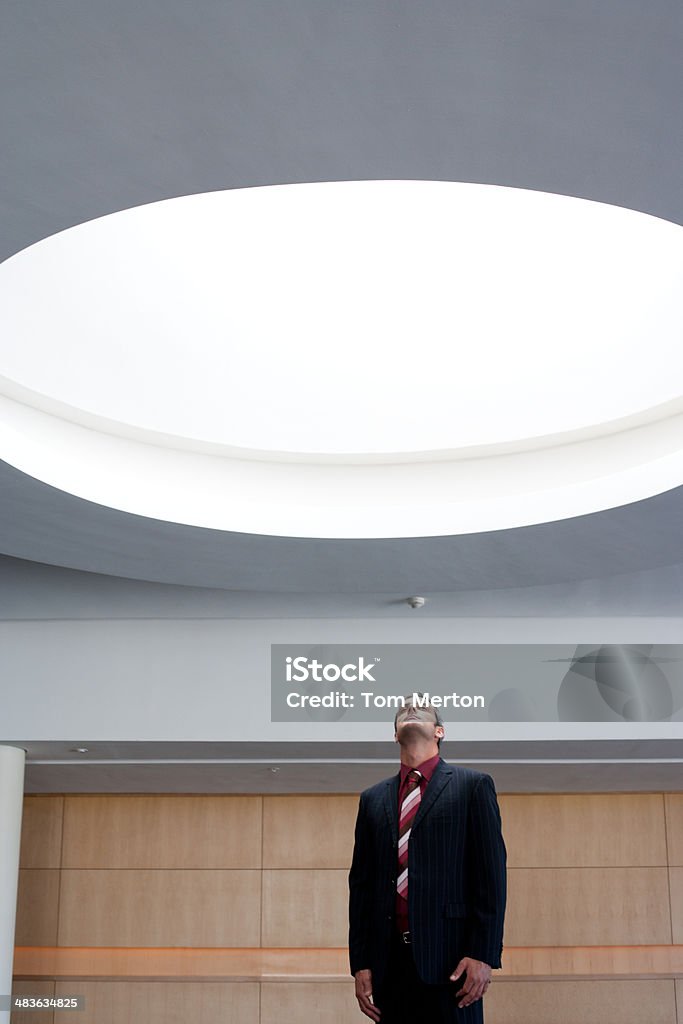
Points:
(349, 359)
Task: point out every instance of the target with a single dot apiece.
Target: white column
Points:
(11, 803)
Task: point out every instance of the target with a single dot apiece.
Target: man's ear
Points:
(440, 732)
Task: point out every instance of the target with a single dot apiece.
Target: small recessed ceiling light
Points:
(80, 750)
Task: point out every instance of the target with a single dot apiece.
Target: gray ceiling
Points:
(109, 105)
(32, 591)
(342, 776)
(105, 106)
(518, 767)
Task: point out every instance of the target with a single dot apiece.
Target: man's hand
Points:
(364, 994)
(477, 980)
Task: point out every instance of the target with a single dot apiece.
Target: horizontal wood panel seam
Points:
(252, 963)
(303, 796)
(343, 867)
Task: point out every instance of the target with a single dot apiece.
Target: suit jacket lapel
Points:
(434, 788)
(391, 804)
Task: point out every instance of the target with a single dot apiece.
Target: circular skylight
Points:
(341, 324)
(365, 317)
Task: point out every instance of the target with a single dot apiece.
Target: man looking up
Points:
(427, 885)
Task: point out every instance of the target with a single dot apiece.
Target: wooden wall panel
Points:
(563, 1002)
(162, 1002)
(587, 907)
(305, 908)
(584, 829)
(41, 832)
(600, 962)
(676, 889)
(308, 831)
(576, 1002)
(312, 1002)
(159, 908)
(679, 1001)
(162, 831)
(146, 870)
(673, 803)
(37, 907)
(32, 988)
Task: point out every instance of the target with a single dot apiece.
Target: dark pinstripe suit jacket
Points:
(456, 881)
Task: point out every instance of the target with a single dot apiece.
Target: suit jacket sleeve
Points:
(488, 871)
(360, 896)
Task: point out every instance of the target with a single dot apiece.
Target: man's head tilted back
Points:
(413, 724)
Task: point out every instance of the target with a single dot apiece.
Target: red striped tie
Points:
(409, 808)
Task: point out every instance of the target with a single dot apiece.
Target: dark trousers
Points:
(406, 999)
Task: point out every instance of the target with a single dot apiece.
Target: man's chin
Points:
(414, 728)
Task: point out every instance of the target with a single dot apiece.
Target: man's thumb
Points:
(458, 971)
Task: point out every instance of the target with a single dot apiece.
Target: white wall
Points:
(183, 679)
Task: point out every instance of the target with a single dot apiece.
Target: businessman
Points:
(427, 885)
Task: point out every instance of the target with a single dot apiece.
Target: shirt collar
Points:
(426, 769)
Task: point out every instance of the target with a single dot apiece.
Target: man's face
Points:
(413, 722)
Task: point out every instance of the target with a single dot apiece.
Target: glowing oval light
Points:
(351, 324)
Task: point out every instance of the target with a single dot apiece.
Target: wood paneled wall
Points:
(250, 871)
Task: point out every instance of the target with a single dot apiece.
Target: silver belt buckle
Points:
(405, 938)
